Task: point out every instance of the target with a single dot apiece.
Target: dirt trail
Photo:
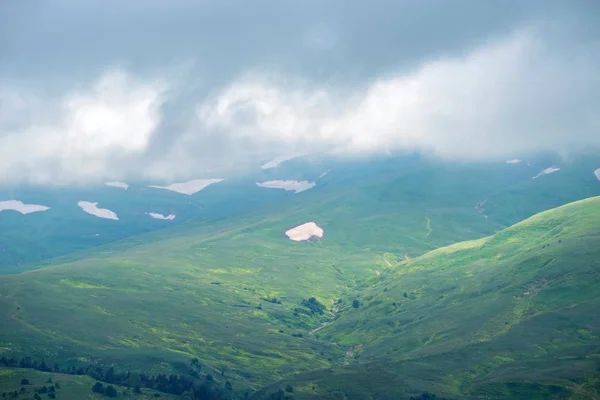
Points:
(323, 325)
(387, 262)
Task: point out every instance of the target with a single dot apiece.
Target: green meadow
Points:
(510, 314)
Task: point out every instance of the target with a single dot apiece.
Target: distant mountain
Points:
(426, 203)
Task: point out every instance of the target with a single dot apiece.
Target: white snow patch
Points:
(305, 232)
(297, 186)
(278, 160)
(515, 161)
(597, 173)
(323, 174)
(122, 185)
(546, 171)
(169, 217)
(189, 187)
(16, 205)
(92, 208)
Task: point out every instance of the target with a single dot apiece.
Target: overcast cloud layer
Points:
(93, 91)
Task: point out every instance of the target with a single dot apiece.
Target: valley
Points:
(377, 299)
(300, 200)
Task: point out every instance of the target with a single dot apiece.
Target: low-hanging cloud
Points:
(78, 137)
(508, 97)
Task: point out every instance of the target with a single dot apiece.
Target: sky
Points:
(110, 90)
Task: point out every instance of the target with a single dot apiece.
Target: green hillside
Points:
(64, 386)
(166, 295)
(478, 317)
(514, 315)
(26, 241)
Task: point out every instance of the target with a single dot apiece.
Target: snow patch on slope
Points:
(169, 217)
(515, 161)
(546, 171)
(189, 187)
(597, 173)
(16, 205)
(92, 208)
(297, 186)
(278, 160)
(122, 185)
(305, 231)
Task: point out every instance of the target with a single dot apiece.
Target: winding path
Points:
(323, 325)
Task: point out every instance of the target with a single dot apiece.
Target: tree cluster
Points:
(314, 305)
(273, 300)
(50, 390)
(193, 387)
(108, 391)
(281, 395)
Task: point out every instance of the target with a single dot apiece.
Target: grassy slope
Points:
(183, 297)
(72, 387)
(195, 291)
(28, 240)
(574, 181)
(512, 315)
(189, 291)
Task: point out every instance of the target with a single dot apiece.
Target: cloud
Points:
(509, 97)
(320, 38)
(84, 135)
(53, 44)
(535, 89)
